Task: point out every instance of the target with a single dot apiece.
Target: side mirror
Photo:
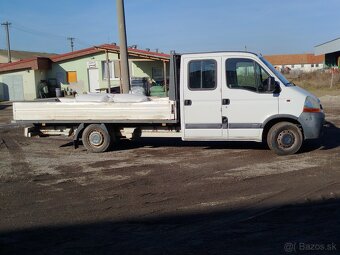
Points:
(273, 86)
(277, 88)
(270, 84)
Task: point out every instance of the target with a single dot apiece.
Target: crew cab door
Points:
(247, 101)
(201, 117)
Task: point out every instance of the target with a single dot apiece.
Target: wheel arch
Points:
(276, 119)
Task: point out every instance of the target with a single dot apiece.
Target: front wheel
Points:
(284, 138)
(96, 139)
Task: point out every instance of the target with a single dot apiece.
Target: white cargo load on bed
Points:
(104, 109)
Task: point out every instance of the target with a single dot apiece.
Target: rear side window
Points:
(202, 74)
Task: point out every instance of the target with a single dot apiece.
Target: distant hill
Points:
(19, 55)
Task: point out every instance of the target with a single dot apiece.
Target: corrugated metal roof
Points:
(328, 47)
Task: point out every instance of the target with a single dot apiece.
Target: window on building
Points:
(202, 74)
(292, 66)
(116, 69)
(71, 76)
(113, 71)
(312, 65)
(246, 74)
(316, 65)
(157, 73)
(302, 65)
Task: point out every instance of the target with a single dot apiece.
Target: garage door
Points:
(15, 87)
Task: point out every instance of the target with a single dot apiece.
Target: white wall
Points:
(300, 67)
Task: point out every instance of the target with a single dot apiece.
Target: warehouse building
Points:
(331, 50)
(297, 62)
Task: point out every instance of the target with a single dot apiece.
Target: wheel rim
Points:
(286, 139)
(96, 138)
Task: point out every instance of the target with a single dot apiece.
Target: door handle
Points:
(225, 101)
(187, 102)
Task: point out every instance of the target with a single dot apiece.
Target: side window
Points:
(202, 74)
(114, 70)
(242, 73)
(157, 73)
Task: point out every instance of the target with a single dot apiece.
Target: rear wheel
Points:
(284, 138)
(96, 138)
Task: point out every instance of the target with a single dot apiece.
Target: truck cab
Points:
(239, 96)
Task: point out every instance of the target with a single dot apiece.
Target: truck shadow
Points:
(280, 229)
(177, 142)
(3, 106)
(125, 144)
(329, 140)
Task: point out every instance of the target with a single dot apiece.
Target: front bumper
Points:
(312, 124)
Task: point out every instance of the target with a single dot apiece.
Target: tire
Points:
(96, 138)
(285, 138)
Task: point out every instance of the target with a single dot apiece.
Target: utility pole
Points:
(108, 71)
(124, 62)
(71, 39)
(7, 24)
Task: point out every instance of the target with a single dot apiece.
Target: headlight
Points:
(311, 105)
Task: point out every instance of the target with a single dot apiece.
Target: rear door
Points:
(201, 98)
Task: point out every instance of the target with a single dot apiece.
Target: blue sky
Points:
(263, 26)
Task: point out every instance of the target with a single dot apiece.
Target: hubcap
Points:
(286, 139)
(96, 138)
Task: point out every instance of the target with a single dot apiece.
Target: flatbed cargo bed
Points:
(156, 110)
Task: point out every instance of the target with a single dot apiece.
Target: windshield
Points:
(276, 72)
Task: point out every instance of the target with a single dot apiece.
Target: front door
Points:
(94, 79)
(246, 101)
(201, 104)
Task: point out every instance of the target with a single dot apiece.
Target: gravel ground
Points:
(166, 196)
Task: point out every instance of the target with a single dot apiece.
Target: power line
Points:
(83, 43)
(47, 35)
(36, 32)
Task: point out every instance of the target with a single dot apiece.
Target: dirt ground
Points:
(165, 196)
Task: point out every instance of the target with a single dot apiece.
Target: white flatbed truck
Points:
(219, 96)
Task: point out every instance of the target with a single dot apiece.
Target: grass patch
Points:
(319, 82)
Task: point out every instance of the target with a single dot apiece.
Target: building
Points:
(17, 55)
(331, 50)
(18, 80)
(88, 70)
(296, 62)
